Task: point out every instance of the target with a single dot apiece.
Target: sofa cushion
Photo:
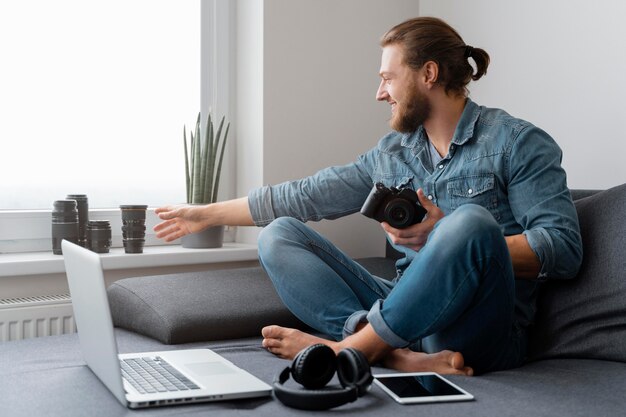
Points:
(586, 317)
(198, 306)
(208, 305)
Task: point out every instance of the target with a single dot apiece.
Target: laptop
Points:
(145, 379)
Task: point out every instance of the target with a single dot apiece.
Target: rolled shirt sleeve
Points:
(542, 204)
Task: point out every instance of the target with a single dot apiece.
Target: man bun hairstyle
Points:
(426, 39)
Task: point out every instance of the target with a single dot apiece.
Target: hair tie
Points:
(468, 51)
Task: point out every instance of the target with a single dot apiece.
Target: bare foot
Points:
(444, 362)
(286, 343)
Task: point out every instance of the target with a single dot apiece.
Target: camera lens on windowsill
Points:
(99, 236)
(64, 224)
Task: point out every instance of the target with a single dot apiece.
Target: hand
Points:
(179, 221)
(415, 236)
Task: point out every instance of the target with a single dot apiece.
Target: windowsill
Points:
(154, 256)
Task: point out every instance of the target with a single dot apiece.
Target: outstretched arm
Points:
(181, 220)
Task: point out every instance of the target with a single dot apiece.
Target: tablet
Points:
(420, 387)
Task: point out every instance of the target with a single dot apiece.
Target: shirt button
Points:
(470, 191)
(441, 166)
(430, 197)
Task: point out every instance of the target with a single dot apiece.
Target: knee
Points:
(472, 219)
(277, 233)
(469, 223)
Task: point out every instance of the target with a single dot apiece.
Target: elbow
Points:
(569, 260)
(560, 252)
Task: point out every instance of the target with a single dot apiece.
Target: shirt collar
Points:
(465, 128)
(463, 132)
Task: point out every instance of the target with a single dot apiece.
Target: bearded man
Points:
(500, 220)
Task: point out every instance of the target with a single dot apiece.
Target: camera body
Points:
(399, 208)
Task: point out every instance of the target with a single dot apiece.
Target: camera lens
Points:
(399, 213)
(82, 205)
(64, 224)
(133, 227)
(99, 236)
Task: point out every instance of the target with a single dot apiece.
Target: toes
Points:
(272, 332)
(457, 361)
(271, 343)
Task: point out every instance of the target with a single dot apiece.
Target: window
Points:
(94, 98)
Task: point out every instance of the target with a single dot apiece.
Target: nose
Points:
(381, 94)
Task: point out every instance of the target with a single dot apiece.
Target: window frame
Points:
(30, 231)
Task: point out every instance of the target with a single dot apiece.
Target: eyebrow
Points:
(385, 73)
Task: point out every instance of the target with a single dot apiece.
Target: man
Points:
(499, 221)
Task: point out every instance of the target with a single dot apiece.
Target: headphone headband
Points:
(352, 369)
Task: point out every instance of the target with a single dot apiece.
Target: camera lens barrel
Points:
(398, 207)
(82, 206)
(64, 224)
(133, 227)
(399, 213)
(99, 236)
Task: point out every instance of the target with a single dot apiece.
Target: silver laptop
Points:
(151, 378)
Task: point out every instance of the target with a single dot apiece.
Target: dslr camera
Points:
(398, 207)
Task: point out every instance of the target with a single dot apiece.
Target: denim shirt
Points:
(504, 164)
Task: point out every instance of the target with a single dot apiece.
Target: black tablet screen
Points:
(419, 386)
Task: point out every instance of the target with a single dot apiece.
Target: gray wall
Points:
(559, 64)
(306, 83)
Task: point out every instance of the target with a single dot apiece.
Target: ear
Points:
(430, 73)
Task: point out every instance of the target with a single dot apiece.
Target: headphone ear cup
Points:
(353, 370)
(314, 366)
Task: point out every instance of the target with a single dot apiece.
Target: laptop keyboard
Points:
(151, 375)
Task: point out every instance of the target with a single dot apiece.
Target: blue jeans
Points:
(458, 292)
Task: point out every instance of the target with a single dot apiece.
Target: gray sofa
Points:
(576, 366)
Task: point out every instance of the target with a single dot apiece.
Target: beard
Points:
(412, 113)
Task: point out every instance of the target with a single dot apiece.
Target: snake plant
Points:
(202, 174)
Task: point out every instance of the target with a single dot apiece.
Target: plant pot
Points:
(213, 237)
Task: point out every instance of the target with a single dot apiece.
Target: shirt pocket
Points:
(477, 189)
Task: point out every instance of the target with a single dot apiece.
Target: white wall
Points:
(319, 70)
(560, 64)
(249, 103)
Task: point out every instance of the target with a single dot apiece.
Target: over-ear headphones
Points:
(313, 368)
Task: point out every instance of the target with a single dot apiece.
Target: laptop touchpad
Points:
(209, 368)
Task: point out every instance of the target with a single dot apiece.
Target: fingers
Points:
(169, 235)
(166, 213)
(414, 237)
(434, 213)
(168, 230)
(409, 237)
(161, 226)
(399, 233)
(424, 201)
(163, 209)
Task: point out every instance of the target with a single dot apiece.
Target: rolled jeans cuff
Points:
(382, 329)
(349, 328)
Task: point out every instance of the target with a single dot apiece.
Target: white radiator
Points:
(24, 318)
